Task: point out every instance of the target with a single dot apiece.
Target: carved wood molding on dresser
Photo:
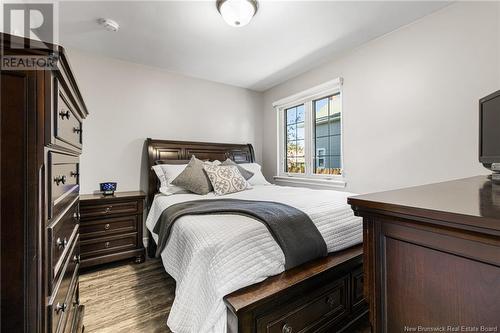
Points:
(111, 227)
(42, 112)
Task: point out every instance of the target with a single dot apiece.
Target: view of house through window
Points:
(327, 132)
(295, 139)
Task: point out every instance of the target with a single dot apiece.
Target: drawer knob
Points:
(64, 114)
(61, 307)
(60, 180)
(61, 244)
(76, 216)
(106, 245)
(107, 209)
(330, 300)
(287, 329)
(106, 227)
(77, 130)
(76, 258)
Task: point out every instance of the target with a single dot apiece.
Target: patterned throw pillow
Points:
(225, 179)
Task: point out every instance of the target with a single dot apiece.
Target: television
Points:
(489, 131)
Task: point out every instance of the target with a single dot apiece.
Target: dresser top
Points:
(115, 196)
(12, 44)
(473, 202)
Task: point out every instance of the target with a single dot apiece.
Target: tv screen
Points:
(489, 111)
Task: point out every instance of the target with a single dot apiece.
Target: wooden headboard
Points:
(183, 150)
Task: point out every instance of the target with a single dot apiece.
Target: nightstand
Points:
(111, 227)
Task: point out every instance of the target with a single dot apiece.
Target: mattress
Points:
(210, 256)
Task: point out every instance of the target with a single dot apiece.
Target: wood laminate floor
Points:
(133, 298)
(127, 297)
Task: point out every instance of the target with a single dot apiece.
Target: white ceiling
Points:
(284, 39)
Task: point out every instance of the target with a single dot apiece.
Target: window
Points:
(327, 135)
(310, 131)
(295, 137)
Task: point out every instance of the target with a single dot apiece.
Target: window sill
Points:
(310, 182)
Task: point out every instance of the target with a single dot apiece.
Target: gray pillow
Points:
(193, 178)
(244, 172)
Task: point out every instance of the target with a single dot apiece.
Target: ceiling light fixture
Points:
(109, 24)
(237, 13)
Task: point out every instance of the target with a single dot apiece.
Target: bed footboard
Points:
(325, 295)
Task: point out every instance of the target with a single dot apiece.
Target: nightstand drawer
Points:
(100, 246)
(108, 226)
(111, 227)
(115, 208)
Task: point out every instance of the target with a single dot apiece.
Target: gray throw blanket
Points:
(292, 229)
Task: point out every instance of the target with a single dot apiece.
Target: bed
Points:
(229, 271)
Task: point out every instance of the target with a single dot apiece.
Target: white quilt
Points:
(210, 256)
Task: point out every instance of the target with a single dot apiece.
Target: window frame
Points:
(307, 98)
(285, 131)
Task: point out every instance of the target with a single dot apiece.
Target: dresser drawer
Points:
(61, 236)
(115, 208)
(67, 130)
(63, 181)
(105, 245)
(60, 302)
(108, 226)
(72, 313)
(303, 317)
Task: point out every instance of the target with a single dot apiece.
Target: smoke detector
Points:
(109, 24)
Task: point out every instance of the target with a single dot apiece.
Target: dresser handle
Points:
(330, 300)
(76, 258)
(77, 130)
(74, 174)
(61, 307)
(60, 179)
(287, 329)
(64, 114)
(106, 245)
(61, 244)
(106, 227)
(76, 216)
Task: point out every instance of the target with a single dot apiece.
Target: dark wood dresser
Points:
(41, 140)
(432, 256)
(111, 227)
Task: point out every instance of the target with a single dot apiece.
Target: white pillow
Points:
(166, 173)
(258, 178)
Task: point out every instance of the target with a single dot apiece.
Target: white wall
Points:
(410, 99)
(130, 102)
